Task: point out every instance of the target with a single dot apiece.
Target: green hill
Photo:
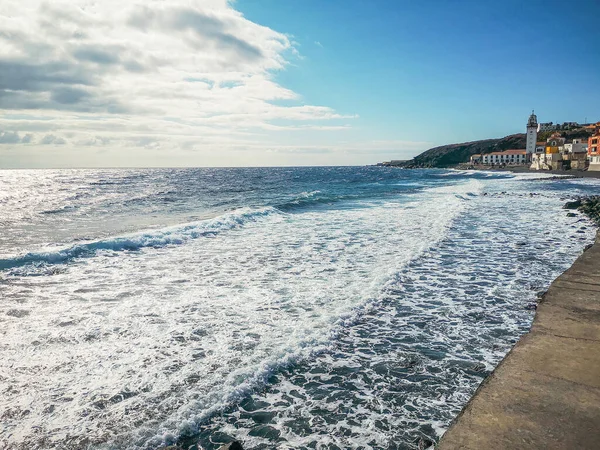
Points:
(449, 155)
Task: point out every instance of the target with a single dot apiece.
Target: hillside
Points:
(574, 133)
(449, 155)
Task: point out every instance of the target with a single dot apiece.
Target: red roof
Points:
(510, 152)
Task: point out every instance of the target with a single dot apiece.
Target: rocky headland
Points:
(453, 154)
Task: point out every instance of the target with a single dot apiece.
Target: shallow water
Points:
(287, 308)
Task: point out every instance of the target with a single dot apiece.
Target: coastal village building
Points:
(577, 146)
(576, 153)
(540, 147)
(554, 154)
(574, 161)
(475, 159)
(557, 154)
(555, 143)
(594, 149)
(548, 126)
(548, 154)
(508, 157)
(538, 161)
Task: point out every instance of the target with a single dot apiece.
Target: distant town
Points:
(556, 152)
(548, 146)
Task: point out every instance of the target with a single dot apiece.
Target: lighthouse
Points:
(532, 127)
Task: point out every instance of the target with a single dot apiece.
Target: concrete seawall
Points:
(545, 394)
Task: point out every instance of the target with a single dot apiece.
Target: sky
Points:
(175, 83)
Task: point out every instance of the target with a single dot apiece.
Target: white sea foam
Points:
(181, 330)
(175, 235)
(133, 349)
(406, 365)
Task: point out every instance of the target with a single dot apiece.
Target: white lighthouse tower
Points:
(532, 127)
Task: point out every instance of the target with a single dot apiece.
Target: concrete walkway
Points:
(545, 394)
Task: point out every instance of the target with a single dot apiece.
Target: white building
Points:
(508, 157)
(577, 146)
(475, 159)
(532, 127)
(538, 161)
(543, 161)
(548, 126)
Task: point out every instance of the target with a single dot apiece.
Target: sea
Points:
(286, 308)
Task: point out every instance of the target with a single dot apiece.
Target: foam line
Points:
(156, 238)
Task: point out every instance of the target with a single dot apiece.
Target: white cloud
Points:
(50, 139)
(179, 75)
(9, 137)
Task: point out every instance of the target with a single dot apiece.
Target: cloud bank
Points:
(177, 77)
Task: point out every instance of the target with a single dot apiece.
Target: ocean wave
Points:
(156, 238)
(307, 345)
(325, 327)
(306, 200)
(457, 173)
(64, 209)
(314, 198)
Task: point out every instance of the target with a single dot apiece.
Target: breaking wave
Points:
(315, 308)
(156, 238)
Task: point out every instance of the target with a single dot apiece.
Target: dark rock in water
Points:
(573, 205)
(425, 443)
(265, 431)
(262, 416)
(235, 445)
(531, 306)
(479, 367)
(590, 206)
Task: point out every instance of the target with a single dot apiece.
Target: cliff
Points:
(449, 155)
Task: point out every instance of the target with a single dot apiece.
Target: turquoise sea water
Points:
(338, 307)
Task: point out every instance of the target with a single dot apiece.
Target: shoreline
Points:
(545, 393)
(521, 169)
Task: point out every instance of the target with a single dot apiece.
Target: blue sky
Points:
(447, 71)
(271, 82)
